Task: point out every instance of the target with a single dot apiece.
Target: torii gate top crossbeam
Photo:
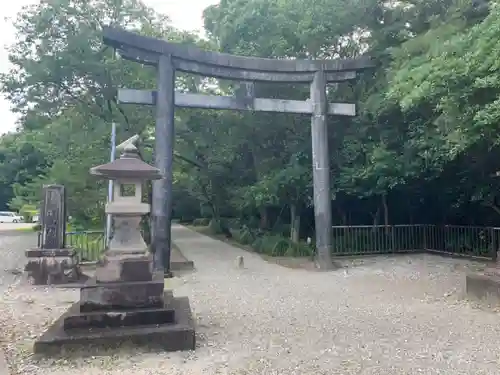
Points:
(190, 59)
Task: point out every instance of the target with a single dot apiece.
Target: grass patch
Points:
(29, 229)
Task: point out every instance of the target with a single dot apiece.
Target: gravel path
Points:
(400, 315)
(12, 259)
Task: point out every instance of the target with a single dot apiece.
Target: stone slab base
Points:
(114, 319)
(187, 265)
(178, 262)
(121, 296)
(52, 267)
(484, 286)
(169, 337)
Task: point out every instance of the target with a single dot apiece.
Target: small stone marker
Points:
(484, 286)
(51, 262)
(126, 300)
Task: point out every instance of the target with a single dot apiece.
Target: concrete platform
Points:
(131, 318)
(169, 337)
(484, 286)
(121, 295)
(178, 262)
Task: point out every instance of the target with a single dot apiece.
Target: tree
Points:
(63, 82)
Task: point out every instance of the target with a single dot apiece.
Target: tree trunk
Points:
(343, 216)
(386, 213)
(375, 217)
(295, 223)
(264, 220)
(386, 210)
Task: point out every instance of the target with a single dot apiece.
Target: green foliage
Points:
(63, 83)
(27, 212)
(201, 222)
(269, 243)
(426, 135)
(275, 245)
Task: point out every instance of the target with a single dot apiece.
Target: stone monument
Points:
(126, 300)
(484, 286)
(52, 262)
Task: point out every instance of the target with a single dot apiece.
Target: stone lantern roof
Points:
(129, 166)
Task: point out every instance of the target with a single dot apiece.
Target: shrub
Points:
(27, 212)
(232, 223)
(244, 235)
(276, 245)
(201, 222)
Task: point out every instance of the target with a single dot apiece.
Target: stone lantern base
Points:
(136, 310)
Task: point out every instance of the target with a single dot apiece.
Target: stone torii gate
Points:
(167, 58)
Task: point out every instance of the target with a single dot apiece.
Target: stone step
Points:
(123, 318)
(170, 337)
(122, 295)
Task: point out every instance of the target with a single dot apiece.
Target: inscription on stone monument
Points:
(53, 217)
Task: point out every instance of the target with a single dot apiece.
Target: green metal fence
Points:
(89, 244)
(377, 239)
(465, 241)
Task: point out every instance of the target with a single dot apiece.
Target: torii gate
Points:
(169, 57)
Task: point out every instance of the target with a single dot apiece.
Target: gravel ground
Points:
(399, 315)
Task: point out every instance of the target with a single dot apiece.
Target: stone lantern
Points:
(126, 300)
(127, 249)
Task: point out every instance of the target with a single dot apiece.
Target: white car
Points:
(10, 217)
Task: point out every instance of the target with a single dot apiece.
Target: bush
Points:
(201, 222)
(232, 222)
(270, 243)
(244, 235)
(27, 212)
(276, 245)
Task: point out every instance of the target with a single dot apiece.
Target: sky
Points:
(185, 14)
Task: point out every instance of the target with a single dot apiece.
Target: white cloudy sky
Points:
(185, 14)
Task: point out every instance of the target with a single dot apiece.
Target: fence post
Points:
(393, 243)
(424, 244)
(493, 244)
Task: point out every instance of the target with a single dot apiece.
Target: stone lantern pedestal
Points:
(126, 300)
